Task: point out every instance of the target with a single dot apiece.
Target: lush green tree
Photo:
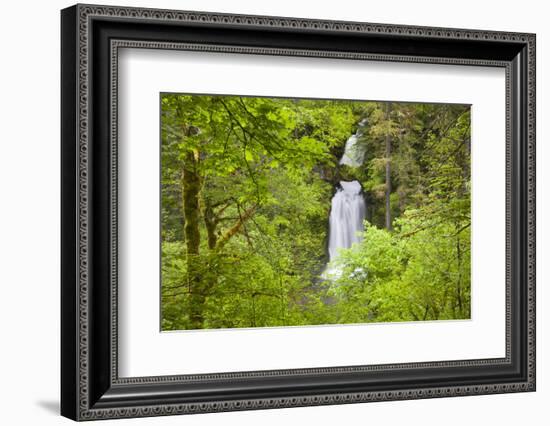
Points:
(246, 190)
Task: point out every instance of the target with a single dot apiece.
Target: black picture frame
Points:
(90, 386)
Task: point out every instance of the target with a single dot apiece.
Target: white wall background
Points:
(29, 212)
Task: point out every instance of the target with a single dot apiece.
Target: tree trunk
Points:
(211, 224)
(459, 275)
(191, 212)
(388, 170)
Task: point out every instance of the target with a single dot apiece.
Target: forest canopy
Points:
(252, 188)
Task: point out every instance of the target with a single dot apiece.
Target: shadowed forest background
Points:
(247, 190)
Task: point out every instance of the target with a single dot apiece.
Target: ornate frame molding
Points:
(78, 57)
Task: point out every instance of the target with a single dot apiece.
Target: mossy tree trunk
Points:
(210, 223)
(191, 183)
(388, 169)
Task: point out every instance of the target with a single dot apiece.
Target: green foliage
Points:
(246, 190)
(421, 271)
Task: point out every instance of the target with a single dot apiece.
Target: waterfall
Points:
(354, 155)
(347, 214)
(348, 208)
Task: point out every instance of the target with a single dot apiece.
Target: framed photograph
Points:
(263, 212)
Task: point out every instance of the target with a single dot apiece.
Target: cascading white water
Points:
(347, 214)
(354, 154)
(348, 208)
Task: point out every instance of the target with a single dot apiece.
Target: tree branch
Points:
(235, 228)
